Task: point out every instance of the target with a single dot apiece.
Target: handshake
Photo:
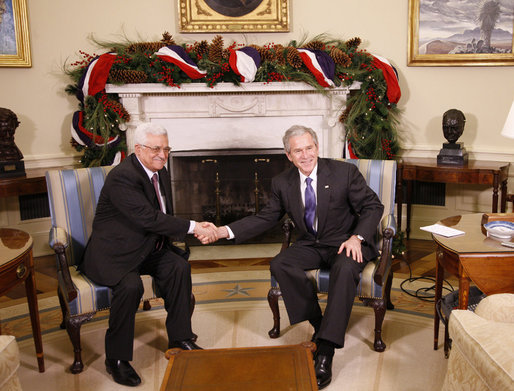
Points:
(208, 233)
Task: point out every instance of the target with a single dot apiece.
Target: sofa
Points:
(9, 363)
(482, 350)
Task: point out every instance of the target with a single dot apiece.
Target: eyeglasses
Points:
(157, 150)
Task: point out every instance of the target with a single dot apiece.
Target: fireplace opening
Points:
(222, 186)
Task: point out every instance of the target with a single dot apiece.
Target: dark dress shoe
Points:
(122, 372)
(187, 344)
(323, 369)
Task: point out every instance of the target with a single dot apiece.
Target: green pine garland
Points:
(370, 119)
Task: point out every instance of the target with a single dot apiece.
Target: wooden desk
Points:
(289, 367)
(472, 257)
(16, 267)
(476, 172)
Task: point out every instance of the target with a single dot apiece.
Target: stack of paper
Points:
(442, 230)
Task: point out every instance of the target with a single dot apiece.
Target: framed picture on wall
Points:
(227, 16)
(14, 34)
(460, 33)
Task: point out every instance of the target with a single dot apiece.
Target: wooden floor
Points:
(418, 260)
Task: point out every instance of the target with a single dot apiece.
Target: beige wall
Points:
(60, 28)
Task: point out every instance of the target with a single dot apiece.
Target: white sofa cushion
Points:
(9, 363)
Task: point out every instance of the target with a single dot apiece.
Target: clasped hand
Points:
(207, 232)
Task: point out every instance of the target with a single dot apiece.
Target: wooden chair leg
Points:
(273, 295)
(193, 304)
(73, 328)
(387, 295)
(380, 308)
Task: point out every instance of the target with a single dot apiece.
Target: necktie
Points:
(310, 206)
(155, 181)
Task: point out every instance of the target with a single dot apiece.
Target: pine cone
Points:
(167, 39)
(200, 48)
(340, 57)
(293, 57)
(127, 76)
(216, 49)
(353, 43)
(265, 53)
(142, 47)
(315, 45)
(278, 55)
(226, 54)
(120, 110)
(344, 115)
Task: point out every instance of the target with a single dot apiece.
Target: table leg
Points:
(30, 288)
(463, 293)
(409, 195)
(495, 193)
(439, 275)
(399, 197)
(503, 201)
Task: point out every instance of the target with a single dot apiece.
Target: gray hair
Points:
(146, 128)
(297, 130)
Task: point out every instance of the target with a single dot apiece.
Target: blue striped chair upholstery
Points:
(73, 196)
(375, 284)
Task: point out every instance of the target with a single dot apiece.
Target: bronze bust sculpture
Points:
(453, 125)
(10, 155)
(453, 153)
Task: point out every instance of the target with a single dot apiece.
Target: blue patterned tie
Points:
(310, 206)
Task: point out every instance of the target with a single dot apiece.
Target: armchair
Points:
(73, 196)
(375, 284)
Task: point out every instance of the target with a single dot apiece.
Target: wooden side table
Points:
(476, 172)
(287, 367)
(472, 257)
(16, 267)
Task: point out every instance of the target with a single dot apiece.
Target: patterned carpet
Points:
(208, 288)
(232, 311)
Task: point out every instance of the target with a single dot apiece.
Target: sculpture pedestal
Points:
(452, 154)
(9, 169)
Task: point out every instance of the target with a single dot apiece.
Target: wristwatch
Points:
(360, 238)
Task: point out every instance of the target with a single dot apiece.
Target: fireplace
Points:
(222, 186)
(227, 140)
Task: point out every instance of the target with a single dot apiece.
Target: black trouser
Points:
(172, 276)
(298, 292)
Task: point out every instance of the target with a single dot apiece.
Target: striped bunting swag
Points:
(177, 55)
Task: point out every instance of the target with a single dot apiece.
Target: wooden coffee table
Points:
(289, 367)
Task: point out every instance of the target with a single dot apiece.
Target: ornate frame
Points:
(21, 36)
(464, 59)
(196, 16)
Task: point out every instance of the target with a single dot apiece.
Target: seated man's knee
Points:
(130, 286)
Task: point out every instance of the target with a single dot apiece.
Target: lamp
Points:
(508, 128)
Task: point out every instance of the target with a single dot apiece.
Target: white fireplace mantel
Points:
(250, 116)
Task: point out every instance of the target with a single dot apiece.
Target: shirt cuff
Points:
(230, 233)
(192, 225)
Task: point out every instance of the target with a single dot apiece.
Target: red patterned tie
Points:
(155, 181)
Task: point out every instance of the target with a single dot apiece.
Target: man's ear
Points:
(289, 157)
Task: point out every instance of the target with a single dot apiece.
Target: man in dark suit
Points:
(132, 233)
(336, 215)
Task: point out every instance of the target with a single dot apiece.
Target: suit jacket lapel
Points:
(295, 198)
(148, 186)
(323, 194)
(165, 183)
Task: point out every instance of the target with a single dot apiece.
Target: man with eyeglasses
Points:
(132, 234)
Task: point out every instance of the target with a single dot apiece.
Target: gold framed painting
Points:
(14, 34)
(232, 16)
(461, 33)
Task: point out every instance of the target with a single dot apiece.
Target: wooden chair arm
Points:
(287, 227)
(386, 256)
(58, 241)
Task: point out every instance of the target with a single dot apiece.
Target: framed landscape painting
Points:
(227, 16)
(14, 34)
(461, 33)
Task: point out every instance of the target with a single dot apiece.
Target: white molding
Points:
(47, 161)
